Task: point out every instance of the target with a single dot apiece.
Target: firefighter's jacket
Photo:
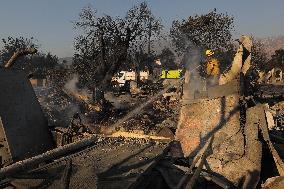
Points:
(213, 67)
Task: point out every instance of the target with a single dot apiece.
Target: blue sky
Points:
(49, 21)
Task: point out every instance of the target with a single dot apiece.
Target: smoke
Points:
(192, 60)
(58, 107)
(71, 85)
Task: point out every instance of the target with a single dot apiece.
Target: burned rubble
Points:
(229, 135)
(141, 95)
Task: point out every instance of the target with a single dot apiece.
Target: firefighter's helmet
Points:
(209, 52)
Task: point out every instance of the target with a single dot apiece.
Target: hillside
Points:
(273, 43)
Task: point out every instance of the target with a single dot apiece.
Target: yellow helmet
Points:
(209, 52)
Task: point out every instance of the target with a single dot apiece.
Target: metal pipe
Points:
(33, 162)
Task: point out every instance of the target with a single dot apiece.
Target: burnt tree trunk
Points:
(108, 72)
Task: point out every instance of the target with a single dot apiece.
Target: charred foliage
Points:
(206, 31)
(107, 42)
(258, 55)
(211, 31)
(39, 63)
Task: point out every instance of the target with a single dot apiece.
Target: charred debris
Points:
(157, 135)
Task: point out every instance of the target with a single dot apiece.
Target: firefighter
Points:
(212, 68)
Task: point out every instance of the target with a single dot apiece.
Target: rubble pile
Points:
(161, 113)
(57, 106)
(227, 136)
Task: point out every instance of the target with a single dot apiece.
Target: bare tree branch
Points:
(18, 54)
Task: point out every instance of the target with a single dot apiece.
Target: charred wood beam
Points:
(18, 54)
(143, 178)
(196, 174)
